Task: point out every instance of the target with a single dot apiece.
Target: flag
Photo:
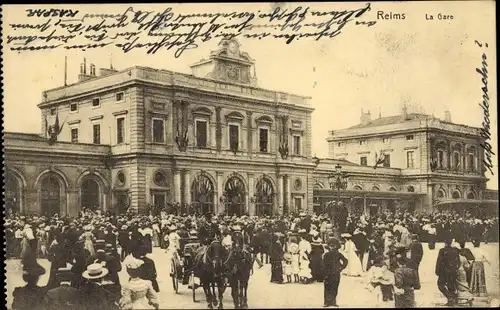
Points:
(47, 134)
(379, 159)
(56, 124)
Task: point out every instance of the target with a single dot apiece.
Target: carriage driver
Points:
(208, 231)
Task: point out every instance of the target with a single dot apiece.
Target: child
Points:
(293, 249)
(288, 267)
(379, 280)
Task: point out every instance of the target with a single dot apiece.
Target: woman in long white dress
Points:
(137, 293)
(354, 268)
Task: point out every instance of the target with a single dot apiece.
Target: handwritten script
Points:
(486, 130)
(168, 30)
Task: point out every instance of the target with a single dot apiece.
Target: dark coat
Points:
(148, 272)
(333, 263)
(63, 297)
(416, 252)
(28, 298)
(448, 261)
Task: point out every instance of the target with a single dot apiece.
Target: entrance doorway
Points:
(235, 196)
(51, 196)
(12, 195)
(90, 195)
(202, 194)
(264, 197)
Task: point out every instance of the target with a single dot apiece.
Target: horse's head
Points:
(216, 254)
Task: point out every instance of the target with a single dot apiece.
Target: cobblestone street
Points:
(263, 294)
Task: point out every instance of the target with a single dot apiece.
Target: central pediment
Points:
(227, 63)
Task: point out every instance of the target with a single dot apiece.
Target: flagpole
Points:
(65, 70)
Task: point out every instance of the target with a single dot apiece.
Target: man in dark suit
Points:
(447, 265)
(416, 253)
(333, 264)
(63, 296)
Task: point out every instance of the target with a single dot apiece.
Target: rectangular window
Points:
(74, 134)
(201, 134)
(410, 159)
(385, 140)
(53, 111)
(234, 137)
(120, 130)
(96, 133)
(410, 137)
(96, 102)
(456, 160)
(263, 140)
(341, 144)
(119, 96)
(387, 160)
(363, 161)
(362, 142)
(73, 107)
(471, 165)
(440, 159)
(158, 130)
(159, 200)
(296, 145)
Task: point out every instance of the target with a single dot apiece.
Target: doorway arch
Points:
(234, 191)
(202, 194)
(50, 196)
(264, 197)
(13, 194)
(90, 195)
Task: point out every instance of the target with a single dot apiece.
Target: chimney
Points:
(447, 116)
(82, 68)
(365, 117)
(92, 69)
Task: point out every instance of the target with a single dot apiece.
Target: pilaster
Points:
(219, 208)
(251, 206)
(136, 120)
(250, 131)
(187, 187)
(177, 186)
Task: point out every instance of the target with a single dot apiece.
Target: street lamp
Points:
(338, 180)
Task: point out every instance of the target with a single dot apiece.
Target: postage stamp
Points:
(250, 155)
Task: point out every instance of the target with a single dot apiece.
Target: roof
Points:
(24, 136)
(389, 120)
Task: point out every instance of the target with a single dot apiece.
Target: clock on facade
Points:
(233, 47)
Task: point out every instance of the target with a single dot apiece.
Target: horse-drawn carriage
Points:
(183, 265)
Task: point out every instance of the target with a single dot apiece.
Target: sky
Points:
(427, 64)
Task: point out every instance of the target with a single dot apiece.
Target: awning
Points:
(331, 193)
(467, 202)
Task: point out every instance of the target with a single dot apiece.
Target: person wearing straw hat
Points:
(333, 264)
(94, 296)
(30, 296)
(317, 251)
(173, 240)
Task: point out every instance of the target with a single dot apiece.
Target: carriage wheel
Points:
(193, 287)
(175, 278)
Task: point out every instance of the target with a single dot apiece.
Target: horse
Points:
(210, 269)
(240, 263)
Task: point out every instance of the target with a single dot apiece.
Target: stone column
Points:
(71, 207)
(177, 186)
(218, 206)
(187, 187)
(251, 206)
(288, 196)
(365, 209)
(280, 192)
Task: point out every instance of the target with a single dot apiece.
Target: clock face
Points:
(233, 47)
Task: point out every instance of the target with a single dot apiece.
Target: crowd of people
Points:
(87, 253)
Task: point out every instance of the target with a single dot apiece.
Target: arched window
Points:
(471, 159)
(357, 187)
(441, 194)
(202, 194)
(375, 188)
(393, 189)
(51, 194)
(234, 192)
(471, 195)
(12, 194)
(441, 155)
(456, 195)
(264, 197)
(90, 195)
(411, 189)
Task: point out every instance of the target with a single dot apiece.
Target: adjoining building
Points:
(212, 141)
(411, 161)
(207, 141)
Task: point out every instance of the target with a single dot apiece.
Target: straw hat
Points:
(345, 235)
(287, 257)
(95, 271)
(293, 248)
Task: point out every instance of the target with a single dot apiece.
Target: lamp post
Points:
(338, 180)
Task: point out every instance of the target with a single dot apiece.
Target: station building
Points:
(213, 141)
